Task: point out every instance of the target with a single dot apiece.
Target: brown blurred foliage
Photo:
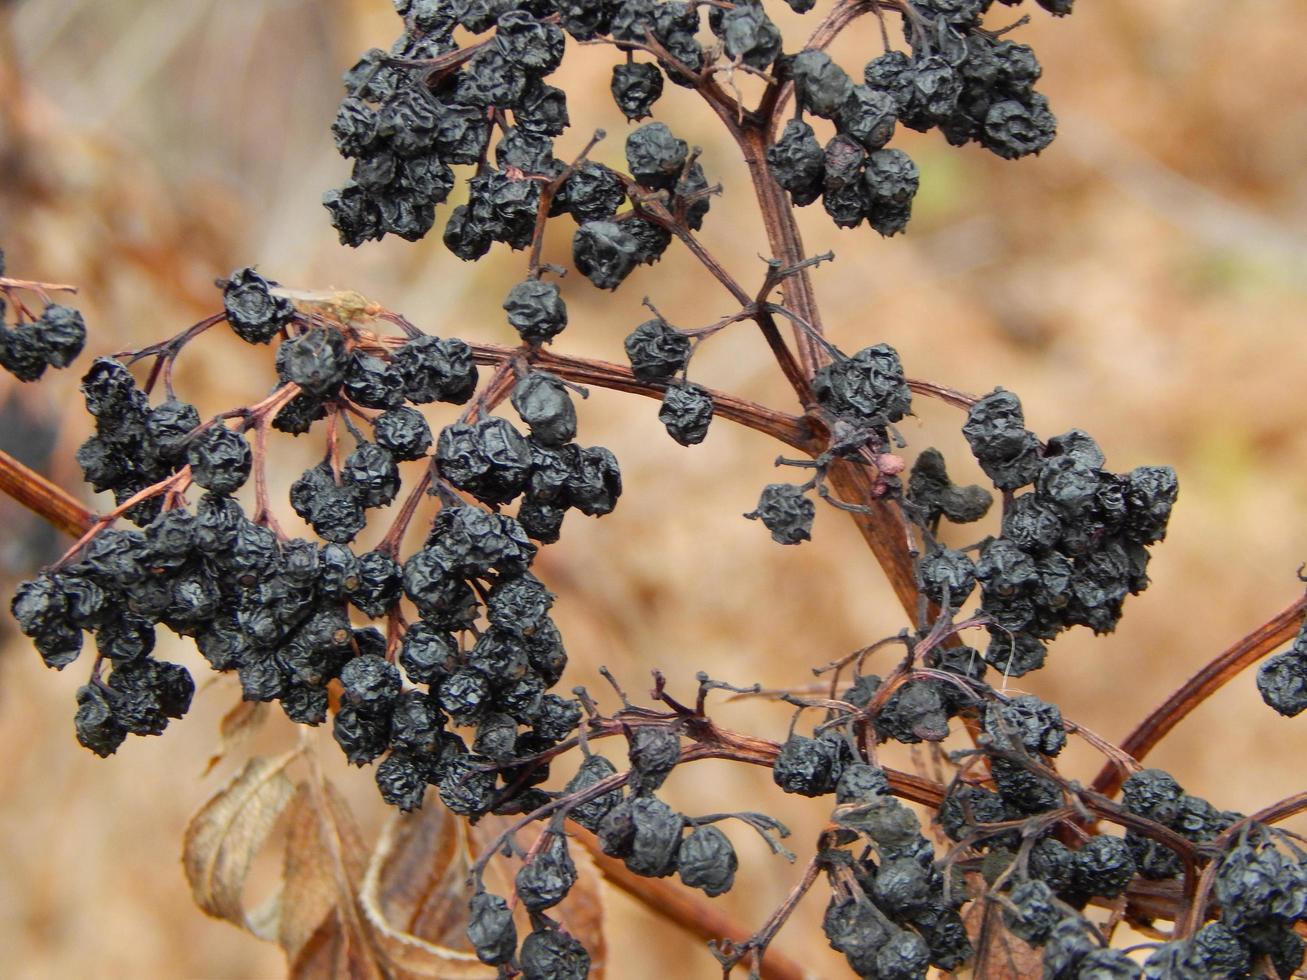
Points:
(1143, 279)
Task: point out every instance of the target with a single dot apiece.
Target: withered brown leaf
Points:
(320, 929)
(237, 725)
(222, 839)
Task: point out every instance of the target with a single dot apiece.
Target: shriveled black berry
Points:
(542, 109)
(654, 752)
(466, 786)
(557, 719)
(657, 350)
(220, 459)
(97, 727)
(1015, 654)
(857, 929)
(62, 333)
(490, 928)
(253, 312)
(822, 87)
(297, 416)
(305, 705)
(786, 512)
(536, 310)
(646, 833)
(496, 737)
(594, 480)
(551, 954)
(1033, 911)
(655, 156)
(428, 653)
(868, 115)
(605, 252)
(371, 683)
(379, 584)
(374, 382)
(543, 403)
(636, 86)
(437, 370)
(917, 711)
(402, 779)
(489, 458)
(869, 387)
(1150, 495)
(1018, 127)
(1028, 720)
(707, 861)
(797, 162)
(593, 769)
(333, 508)
(1282, 682)
(519, 605)
(316, 360)
(546, 879)
(1103, 867)
(807, 766)
(749, 35)
(464, 695)
(946, 572)
(686, 412)
(1152, 793)
(861, 783)
(403, 432)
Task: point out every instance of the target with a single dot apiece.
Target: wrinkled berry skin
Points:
(786, 512)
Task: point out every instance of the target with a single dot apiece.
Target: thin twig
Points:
(1277, 630)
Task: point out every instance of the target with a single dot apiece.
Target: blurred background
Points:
(1142, 279)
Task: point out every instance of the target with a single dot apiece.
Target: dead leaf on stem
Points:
(320, 929)
(237, 725)
(222, 839)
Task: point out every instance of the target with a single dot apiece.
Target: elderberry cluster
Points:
(1073, 545)
(482, 652)
(959, 78)
(862, 396)
(432, 102)
(52, 339)
(651, 839)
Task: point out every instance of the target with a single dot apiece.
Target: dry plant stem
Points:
(682, 907)
(1251, 648)
(792, 431)
(45, 499)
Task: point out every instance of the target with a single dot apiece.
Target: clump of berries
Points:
(451, 698)
(33, 342)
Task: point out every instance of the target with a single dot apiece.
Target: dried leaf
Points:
(415, 895)
(236, 726)
(320, 929)
(223, 837)
(999, 954)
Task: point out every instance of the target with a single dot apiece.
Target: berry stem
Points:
(1277, 630)
(44, 498)
(678, 905)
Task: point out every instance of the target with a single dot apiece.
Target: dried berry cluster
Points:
(432, 103)
(278, 610)
(453, 686)
(35, 342)
(1072, 547)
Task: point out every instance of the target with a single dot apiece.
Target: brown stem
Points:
(1279, 629)
(682, 907)
(45, 499)
(603, 374)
